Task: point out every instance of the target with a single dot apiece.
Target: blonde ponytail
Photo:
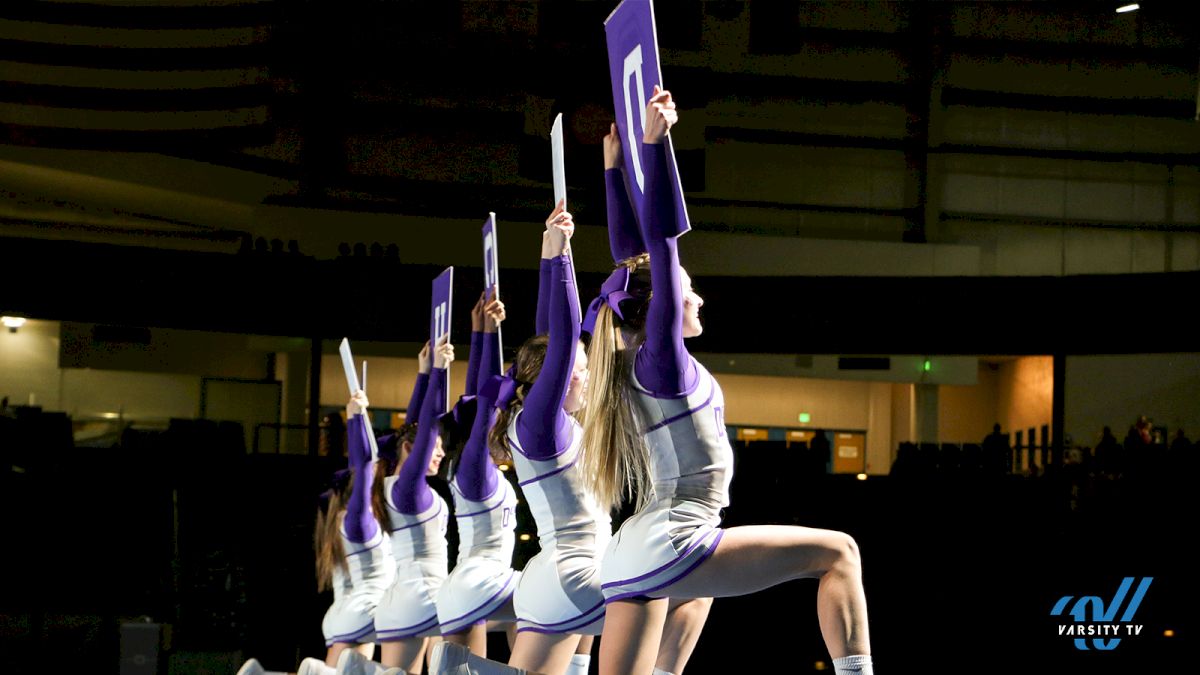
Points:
(616, 461)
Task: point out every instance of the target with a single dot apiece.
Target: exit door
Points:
(849, 452)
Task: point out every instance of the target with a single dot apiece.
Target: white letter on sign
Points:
(439, 321)
(633, 66)
(489, 272)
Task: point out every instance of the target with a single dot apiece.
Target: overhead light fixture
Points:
(1127, 8)
(12, 323)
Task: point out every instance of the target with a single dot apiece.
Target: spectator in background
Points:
(1180, 443)
(821, 453)
(997, 454)
(1107, 451)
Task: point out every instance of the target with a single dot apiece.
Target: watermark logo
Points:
(1097, 621)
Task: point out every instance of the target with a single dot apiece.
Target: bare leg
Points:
(543, 653)
(681, 632)
(756, 557)
(335, 650)
(510, 634)
(407, 654)
(474, 638)
(427, 650)
(632, 631)
(585, 644)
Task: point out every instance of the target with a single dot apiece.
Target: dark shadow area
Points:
(961, 566)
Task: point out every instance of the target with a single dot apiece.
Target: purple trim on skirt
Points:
(584, 622)
(582, 615)
(406, 631)
(352, 637)
(660, 568)
(686, 413)
(645, 592)
(508, 586)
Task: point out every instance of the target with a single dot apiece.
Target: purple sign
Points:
(633, 67)
(491, 267)
(439, 315)
(491, 258)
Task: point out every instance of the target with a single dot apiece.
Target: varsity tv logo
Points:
(1097, 621)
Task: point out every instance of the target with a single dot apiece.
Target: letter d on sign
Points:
(633, 66)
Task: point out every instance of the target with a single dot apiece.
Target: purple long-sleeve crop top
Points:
(410, 492)
(663, 364)
(544, 428)
(359, 522)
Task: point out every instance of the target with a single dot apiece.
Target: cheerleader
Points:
(417, 516)
(480, 589)
(655, 430)
(353, 556)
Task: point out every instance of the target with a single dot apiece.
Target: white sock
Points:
(324, 669)
(660, 671)
(579, 664)
(858, 664)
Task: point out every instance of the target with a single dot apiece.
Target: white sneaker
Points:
(251, 667)
(311, 666)
(350, 662)
(448, 658)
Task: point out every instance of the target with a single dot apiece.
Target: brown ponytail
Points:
(327, 535)
(527, 366)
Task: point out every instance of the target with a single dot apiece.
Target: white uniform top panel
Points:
(486, 528)
(370, 567)
(420, 536)
(568, 517)
(690, 454)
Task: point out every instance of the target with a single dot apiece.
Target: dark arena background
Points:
(912, 222)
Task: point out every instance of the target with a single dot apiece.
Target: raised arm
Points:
(663, 364)
(410, 492)
(360, 523)
(491, 361)
(477, 341)
(551, 249)
(422, 383)
(624, 241)
(544, 428)
(476, 476)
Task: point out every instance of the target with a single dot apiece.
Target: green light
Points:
(928, 365)
(804, 418)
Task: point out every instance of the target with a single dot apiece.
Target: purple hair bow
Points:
(613, 292)
(462, 414)
(500, 389)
